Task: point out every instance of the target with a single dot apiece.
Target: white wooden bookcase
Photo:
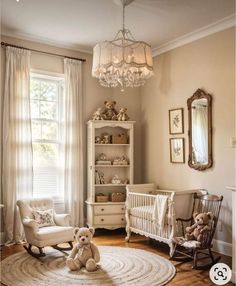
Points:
(109, 215)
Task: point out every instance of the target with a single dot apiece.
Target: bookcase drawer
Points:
(109, 209)
(109, 219)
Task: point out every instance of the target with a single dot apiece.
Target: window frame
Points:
(60, 80)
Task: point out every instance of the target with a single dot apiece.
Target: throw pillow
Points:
(44, 217)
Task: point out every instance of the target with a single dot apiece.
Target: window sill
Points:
(58, 200)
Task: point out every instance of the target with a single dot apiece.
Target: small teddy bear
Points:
(122, 116)
(110, 112)
(202, 221)
(98, 114)
(84, 252)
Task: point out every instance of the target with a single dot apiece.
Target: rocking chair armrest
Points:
(62, 219)
(29, 222)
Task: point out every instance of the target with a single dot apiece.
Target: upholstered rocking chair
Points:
(185, 250)
(43, 227)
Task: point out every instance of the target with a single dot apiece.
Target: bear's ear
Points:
(210, 215)
(114, 102)
(105, 102)
(195, 214)
(91, 229)
(76, 230)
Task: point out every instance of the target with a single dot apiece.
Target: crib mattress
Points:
(145, 212)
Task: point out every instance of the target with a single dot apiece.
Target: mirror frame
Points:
(198, 95)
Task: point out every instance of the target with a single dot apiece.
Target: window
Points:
(47, 132)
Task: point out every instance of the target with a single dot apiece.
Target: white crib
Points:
(139, 211)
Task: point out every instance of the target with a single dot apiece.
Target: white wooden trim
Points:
(47, 74)
(222, 247)
(43, 40)
(218, 26)
(2, 238)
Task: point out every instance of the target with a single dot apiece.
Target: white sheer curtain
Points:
(74, 198)
(17, 162)
(200, 134)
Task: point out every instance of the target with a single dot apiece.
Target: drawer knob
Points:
(122, 209)
(102, 219)
(122, 219)
(102, 210)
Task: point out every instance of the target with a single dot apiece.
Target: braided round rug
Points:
(118, 266)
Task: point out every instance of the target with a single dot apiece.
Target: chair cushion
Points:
(191, 244)
(49, 233)
(186, 243)
(44, 217)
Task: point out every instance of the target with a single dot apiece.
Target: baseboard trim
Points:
(233, 279)
(222, 247)
(2, 238)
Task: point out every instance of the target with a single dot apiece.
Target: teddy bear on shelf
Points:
(98, 114)
(84, 252)
(122, 116)
(201, 225)
(110, 112)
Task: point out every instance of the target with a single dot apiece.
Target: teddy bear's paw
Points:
(72, 265)
(91, 265)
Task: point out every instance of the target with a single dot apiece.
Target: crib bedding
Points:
(143, 211)
(146, 213)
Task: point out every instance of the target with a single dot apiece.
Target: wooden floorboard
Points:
(185, 275)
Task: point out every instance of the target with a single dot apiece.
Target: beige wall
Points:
(93, 94)
(209, 64)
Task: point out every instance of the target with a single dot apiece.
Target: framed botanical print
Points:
(176, 121)
(177, 150)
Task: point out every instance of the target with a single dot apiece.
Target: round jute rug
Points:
(118, 266)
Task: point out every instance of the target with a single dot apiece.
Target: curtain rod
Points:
(3, 44)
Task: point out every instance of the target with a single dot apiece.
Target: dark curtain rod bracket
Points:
(3, 44)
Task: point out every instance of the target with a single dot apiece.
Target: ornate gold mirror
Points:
(200, 130)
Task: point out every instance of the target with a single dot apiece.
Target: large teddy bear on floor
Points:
(201, 225)
(84, 252)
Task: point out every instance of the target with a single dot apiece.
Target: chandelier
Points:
(123, 61)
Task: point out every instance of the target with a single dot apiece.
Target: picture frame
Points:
(177, 150)
(176, 121)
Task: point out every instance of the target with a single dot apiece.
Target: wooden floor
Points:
(184, 273)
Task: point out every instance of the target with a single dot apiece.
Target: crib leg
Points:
(128, 234)
(127, 225)
(172, 249)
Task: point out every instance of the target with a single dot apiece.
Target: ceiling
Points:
(80, 24)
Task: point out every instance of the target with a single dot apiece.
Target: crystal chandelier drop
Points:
(122, 61)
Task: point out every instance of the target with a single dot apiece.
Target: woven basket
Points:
(101, 198)
(117, 197)
(119, 139)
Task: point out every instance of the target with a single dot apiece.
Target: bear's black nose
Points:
(83, 239)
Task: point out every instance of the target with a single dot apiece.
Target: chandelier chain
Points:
(123, 17)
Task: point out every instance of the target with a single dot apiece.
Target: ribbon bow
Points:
(81, 248)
